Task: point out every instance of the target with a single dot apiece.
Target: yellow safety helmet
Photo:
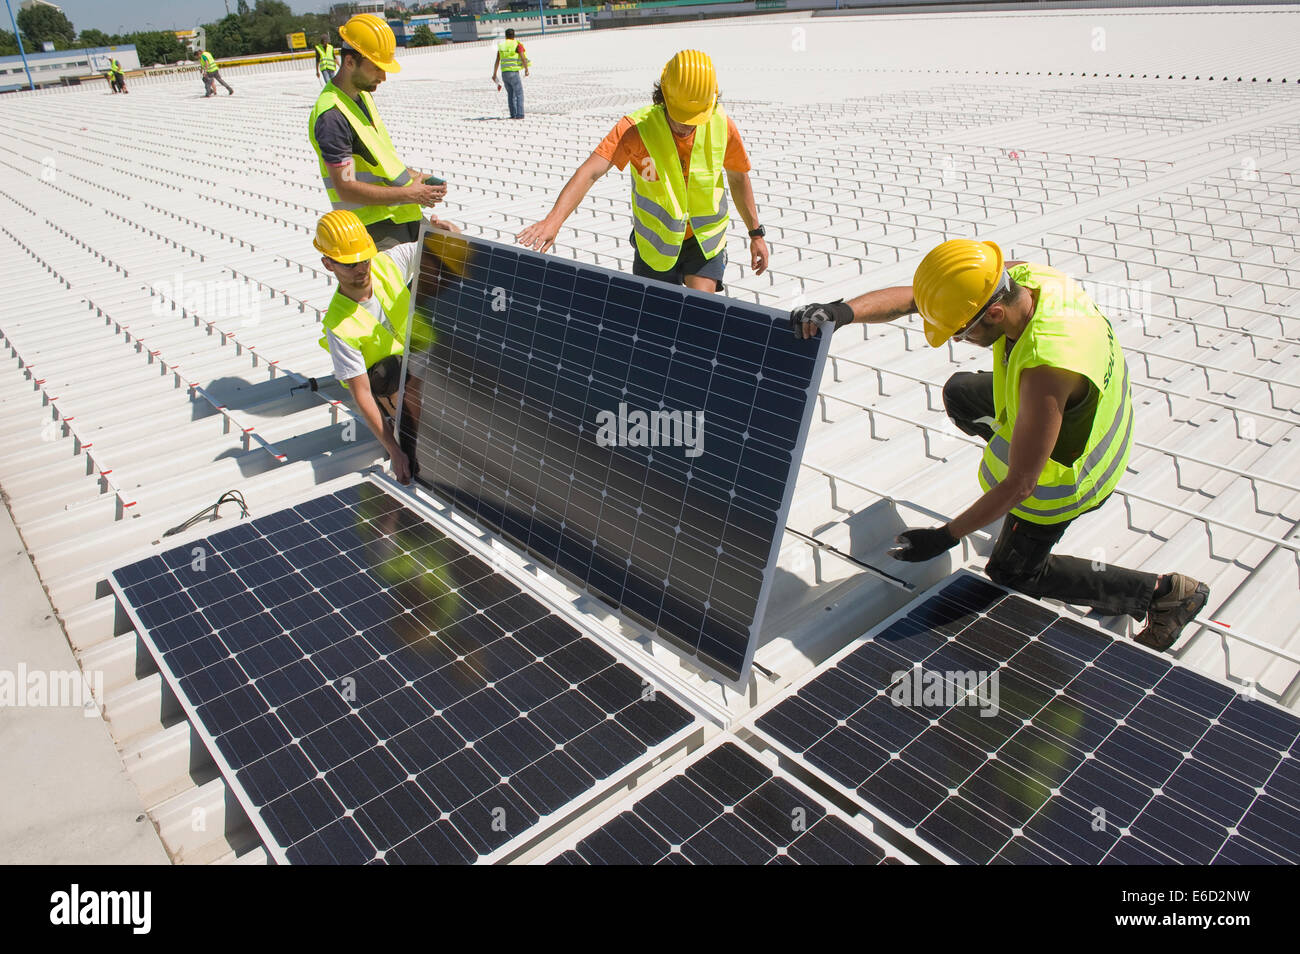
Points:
(952, 283)
(341, 236)
(690, 87)
(370, 36)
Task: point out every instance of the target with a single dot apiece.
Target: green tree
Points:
(226, 37)
(161, 47)
(8, 44)
(94, 38)
(41, 24)
(423, 36)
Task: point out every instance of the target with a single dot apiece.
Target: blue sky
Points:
(130, 15)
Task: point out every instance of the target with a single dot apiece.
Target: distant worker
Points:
(365, 328)
(358, 164)
(212, 75)
(1057, 413)
(678, 147)
(326, 63)
(510, 57)
(117, 77)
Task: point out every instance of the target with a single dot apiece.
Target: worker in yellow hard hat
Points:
(358, 164)
(679, 148)
(366, 329)
(1057, 413)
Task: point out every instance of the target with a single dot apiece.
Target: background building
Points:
(50, 69)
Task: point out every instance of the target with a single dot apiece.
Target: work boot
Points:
(1170, 613)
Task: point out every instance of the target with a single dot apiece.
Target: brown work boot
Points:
(1170, 613)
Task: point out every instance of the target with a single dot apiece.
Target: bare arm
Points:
(496, 64)
(374, 418)
(541, 236)
(371, 193)
(1044, 392)
(742, 196)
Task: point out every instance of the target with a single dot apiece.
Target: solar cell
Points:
(641, 438)
(724, 806)
(385, 695)
(1046, 741)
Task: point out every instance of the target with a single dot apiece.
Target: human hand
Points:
(427, 195)
(918, 546)
(806, 320)
(758, 255)
(539, 236)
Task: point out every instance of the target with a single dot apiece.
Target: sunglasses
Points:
(350, 266)
(999, 293)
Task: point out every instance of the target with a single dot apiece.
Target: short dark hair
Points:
(510, 34)
(345, 52)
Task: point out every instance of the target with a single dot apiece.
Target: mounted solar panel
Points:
(373, 691)
(988, 728)
(725, 806)
(641, 438)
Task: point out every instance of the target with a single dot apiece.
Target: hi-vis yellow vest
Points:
(355, 326)
(662, 208)
(209, 63)
(1066, 331)
(511, 62)
(326, 56)
(390, 170)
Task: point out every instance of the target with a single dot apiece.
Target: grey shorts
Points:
(388, 233)
(690, 261)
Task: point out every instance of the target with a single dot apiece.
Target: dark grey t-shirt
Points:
(338, 141)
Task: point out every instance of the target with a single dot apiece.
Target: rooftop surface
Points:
(165, 297)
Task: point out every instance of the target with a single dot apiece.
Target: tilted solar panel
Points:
(990, 729)
(724, 806)
(373, 691)
(639, 437)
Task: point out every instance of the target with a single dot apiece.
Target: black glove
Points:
(917, 546)
(836, 312)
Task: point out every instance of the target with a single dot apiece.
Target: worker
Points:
(358, 164)
(365, 328)
(212, 75)
(1057, 413)
(678, 147)
(510, 57)
(118, 76)
(325, 60)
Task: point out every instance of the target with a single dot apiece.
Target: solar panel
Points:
(373, 691)
(641, 438)
(990, 729)
(724, 806)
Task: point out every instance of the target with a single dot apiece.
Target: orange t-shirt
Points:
(624, 145)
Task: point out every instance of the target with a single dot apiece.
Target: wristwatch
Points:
(759, 232)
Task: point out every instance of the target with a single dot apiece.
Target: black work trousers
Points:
(1022, 558)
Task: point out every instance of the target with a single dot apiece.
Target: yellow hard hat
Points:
(341, 236)
(690, 87)
(372, 38)
(953, 283)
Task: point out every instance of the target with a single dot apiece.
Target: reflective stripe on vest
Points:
(326, 54)
(1066, 331)
(511, 62)
(390, 170)
(662, 208)
(357, 327)
(209, 64)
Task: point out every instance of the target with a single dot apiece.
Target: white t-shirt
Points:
(348, 362)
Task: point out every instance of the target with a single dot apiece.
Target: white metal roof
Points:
(163, 296)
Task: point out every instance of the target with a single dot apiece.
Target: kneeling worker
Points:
(678, 147)
(365, 329)
(1057, 413)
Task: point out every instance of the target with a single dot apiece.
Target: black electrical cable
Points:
(230, 496)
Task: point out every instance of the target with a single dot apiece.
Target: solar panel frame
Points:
(479, 548)
(656, 627)
(570, 840)
(1143, 666)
